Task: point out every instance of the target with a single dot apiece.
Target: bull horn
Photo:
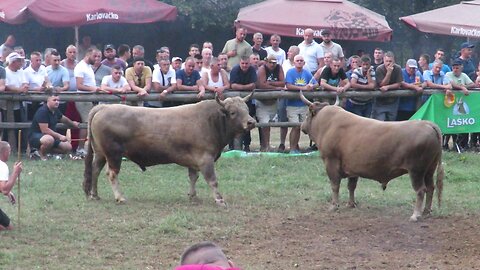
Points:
(337, 101)
(219, 101)
(304, 99)
(247, 98)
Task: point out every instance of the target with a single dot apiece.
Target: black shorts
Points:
(4, 220)
(34, 140)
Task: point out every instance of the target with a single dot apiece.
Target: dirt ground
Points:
(361, 239)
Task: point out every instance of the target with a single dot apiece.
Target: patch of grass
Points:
(60, 229)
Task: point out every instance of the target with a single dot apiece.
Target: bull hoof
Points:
(333, 208)
(121, 200)
(221, 202)
(414, 218)
(352, 204)
(427, 213)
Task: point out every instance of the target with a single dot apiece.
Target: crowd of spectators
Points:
(239, 66)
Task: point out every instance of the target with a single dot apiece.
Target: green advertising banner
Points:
(460, 116)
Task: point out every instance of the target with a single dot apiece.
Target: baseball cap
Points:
(467, 45)
(271, 58)
(13, 56)
(412, 63)
(326, 32)
(109, 46)
(176, 58)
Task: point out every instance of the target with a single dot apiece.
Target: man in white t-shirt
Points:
(7, 181)
(274, 49)
(115, 83)
(37, 77)
(164, 81)
(311, 51)
(85, 78)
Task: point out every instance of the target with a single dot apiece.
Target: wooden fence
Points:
(184, 96)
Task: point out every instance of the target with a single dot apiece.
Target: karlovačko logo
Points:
(462, 110)
(101, 16)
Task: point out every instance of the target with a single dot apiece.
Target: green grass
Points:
(60, 229)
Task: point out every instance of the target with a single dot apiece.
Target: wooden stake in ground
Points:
(19, 159)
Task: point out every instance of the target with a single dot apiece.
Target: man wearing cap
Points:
(15, 82)
(270, 77)
(176, 63)
(139, 77)
(413, 80)
(329, 46)
(237, 48)
(465, 57)
(311, 51)
(109, 53)
(389, 77)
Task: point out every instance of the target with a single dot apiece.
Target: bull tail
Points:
(87, 180)
(440, 170)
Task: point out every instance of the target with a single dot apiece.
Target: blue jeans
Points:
(360, 110)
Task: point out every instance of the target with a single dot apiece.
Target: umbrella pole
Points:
(76, 38)
(19, 159)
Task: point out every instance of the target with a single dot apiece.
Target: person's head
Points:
(19, 50)
(275, 40)
(97, 55)
(270, 62)
(326, 36)
(176, 63)
(71, 52)
(55, 59)
(423, 60)
(335, 65)
(439, 54)
(244, 63)
(457, 67)
(164, 65)
(109, 52)
(35, 60)
(292, 52)
(208, 45)
(411, 66)
(138, 51)
(254, 59)
(308, 35)
(47, 55)
(189, 65)
(389, 59)
(5, 151)
(86, 41)
(138, 64)
(327, 58)
(193, 50)
(163, 53)
(198, 62)
(437, 66)
(223, 60)
(116, 72)
(257, 39)
(240, 34)
(206, 253)
(466, 50)
(378, 55)
(299, 62)
(10, 41)
(354, 62)
(206, 55)
(366, 63)
(15, 61)
(91, 55)
(124, 51)
(215, 65)
(53, 100)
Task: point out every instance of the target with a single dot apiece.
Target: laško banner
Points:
(461, 115)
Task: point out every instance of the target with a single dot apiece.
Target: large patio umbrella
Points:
(457, 20)
(345, 20)
(75, 13)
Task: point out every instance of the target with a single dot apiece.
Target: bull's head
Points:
(313, 109)
(237, 113)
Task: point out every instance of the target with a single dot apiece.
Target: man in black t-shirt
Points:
(43, 134)
(334, 78)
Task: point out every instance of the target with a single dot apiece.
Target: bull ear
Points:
(247, 98)
(316, 107)
(219, 101)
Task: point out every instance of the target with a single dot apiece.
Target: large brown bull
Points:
(353, 146)
(192, 136)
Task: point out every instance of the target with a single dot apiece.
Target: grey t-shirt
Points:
(3, 74)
